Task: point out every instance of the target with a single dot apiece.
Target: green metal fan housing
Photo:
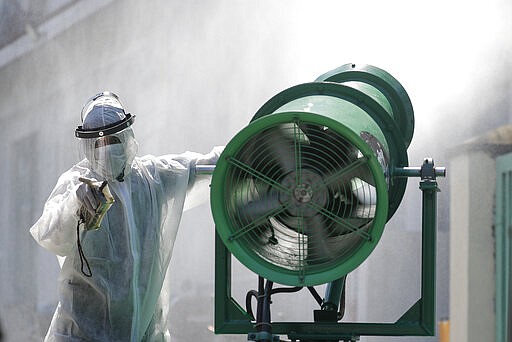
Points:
(302, 194)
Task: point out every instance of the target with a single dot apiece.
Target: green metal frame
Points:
(419, 320)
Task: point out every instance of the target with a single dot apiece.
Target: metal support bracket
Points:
(262, 336)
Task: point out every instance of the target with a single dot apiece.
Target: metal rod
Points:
(415, 171)
(204, 169)
(426, 171)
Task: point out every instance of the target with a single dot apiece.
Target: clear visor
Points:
(110, 156)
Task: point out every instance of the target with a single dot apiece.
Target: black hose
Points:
(286, 290)
(315, 295)
(248, 302)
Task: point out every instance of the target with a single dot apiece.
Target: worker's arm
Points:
(55, 230)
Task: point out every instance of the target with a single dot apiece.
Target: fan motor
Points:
(301, 195)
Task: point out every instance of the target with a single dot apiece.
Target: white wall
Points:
(472, 271)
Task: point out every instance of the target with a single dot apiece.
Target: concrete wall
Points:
(472, 274)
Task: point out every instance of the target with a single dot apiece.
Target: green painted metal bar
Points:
(241, 165)
(340, 221)
(298, 154)
(428, 269)
(254, 224)
(302, 247)
(313, 330)
(227, 310)
(345, 171)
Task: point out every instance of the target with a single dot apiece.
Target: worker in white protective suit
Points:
(111, 281)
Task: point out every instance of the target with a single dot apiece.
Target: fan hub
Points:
(303, 193)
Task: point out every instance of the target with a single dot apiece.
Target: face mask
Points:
(111, 161)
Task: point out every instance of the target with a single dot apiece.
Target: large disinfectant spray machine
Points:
(301, 196)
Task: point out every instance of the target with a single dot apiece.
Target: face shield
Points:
(106, 138)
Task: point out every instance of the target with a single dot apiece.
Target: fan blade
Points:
(367, 176)
(329, 145)
(281, 148)
(354, 216)
(318, 235)
(247, 154)
(354, 222)
(260, 208)
(345, 206)
(364, 211)
(339, 180)
(365, 193)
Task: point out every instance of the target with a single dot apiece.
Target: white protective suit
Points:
(129, 255)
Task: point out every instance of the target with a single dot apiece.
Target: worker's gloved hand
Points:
(88, 194)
